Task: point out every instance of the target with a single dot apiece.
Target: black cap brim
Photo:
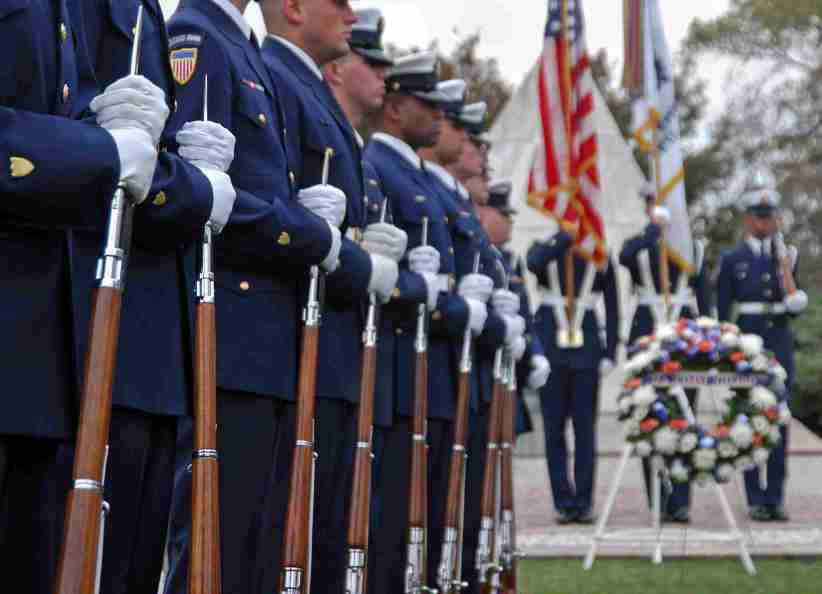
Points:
(375, 56)
(761, 211)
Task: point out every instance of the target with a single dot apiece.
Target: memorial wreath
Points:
(694, 353)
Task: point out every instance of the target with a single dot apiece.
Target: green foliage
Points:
(807, 390)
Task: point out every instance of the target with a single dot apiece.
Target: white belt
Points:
(553, 300)
(655, 300)
(760, 308)
(446, 282)
(354, 234)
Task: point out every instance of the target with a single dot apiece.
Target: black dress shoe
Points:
(759, 513)
(566, 516)
(680, 515)
(585, 516)
(778, 513)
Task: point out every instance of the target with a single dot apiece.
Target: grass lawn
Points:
(715, 576)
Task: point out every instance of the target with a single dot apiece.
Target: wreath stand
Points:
(733, 535)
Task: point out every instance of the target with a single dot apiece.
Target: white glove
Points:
(476, 286)
(661, 215)
(477, 315)
(138, 159)
(424, 260)
(206, 144)
(606, 366)
(514, 328)
(132, 102)
(332, 259)
(797, 302)
(518, 348)
(540, 370)
(385, 240)
(224, 195)
(433, 286)
(505, 303)
(326, 201)
(384, 275)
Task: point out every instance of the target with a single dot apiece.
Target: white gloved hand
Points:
(325, 201)
(206, 144)
(514, 328)
(224, 195)
(606, 366)
(138, 159)
(424, 260)
(132, 102)
(505, 303)
(384, 275)
(332, 259)
(797, 302)
(540, 370)
(477, 315)
(661, 216)
(518, 348)
(433, 286)
(386, 240)
(476, 286)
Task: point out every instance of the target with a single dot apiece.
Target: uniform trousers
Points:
(776, 474)
(387, 573)
(33, 493)
(474, 476)
(571, 393)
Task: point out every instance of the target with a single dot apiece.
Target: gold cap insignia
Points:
(284, 239)
(160, 199)
(20, 167)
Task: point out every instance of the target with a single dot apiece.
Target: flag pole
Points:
(664, 262)
(570, 288)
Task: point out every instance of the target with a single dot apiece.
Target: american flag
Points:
(564, 179)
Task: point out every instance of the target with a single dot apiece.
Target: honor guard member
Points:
(503, 326)
(304, 36)
(641, 256)
(411, 119)
(572, 390)
(757, 288)
(358, 83)
(273, 236)
(184, 196)
(45, 190)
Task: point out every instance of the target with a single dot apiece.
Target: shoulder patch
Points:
(183, 64)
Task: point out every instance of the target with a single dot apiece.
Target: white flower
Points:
(703, 478)
(687, 442)
(751, 344)
(687, 334)
(657, 461)
(779, 373)
(666, 333)
(729, 328)
(784, 414)
(724, 472)
(679, 472)
(760, 424)
(760, 456)
(744, 463)
(705, 459)
(774, 434)
(706, 322)
(727, 450)
(729, 340)
(760, 363)
(645, 395)
(741, 435)
(762, 398)
(631, 428)
(639, 362)
(666, 440)
(640, 412)
(643, 449)
(625, 403)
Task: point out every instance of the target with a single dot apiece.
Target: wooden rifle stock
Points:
(299, 519)
(507, 537)
(204, 569)
(359, 515)
(80, 562)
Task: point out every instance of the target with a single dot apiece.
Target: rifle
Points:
(415, 565)
(359, 514)
(299, 521)
(204, 568)
(81, 552)
(449, 576)
(507, 529)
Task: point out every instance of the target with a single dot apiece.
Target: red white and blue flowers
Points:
(703, 352)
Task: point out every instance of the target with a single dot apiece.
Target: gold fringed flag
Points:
(564, 179)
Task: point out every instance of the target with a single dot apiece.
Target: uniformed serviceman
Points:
(274, 234)
(410, 119)
(303, 37)
(56, 173)
(757, 287)
(503, 326)
(572, 390)
(689, 297)
(186, 194)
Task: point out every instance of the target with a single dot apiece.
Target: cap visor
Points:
(432, 96)
(374, 55)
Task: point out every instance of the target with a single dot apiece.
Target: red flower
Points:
(633, 383)
(758, 440)
(721, 431)
(648, 425)
(736, 357)
(706, 346)
(678, 424)
(671, 367)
